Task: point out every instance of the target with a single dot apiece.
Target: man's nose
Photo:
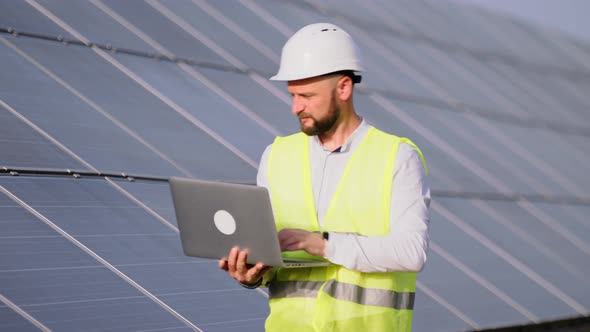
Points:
(297, 106)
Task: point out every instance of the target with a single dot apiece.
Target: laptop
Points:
(213, 217)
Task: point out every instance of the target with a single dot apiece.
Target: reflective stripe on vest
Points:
(344, 292)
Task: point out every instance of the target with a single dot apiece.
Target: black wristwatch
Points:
(326, 235)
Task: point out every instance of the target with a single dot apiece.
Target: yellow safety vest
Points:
(334, 298)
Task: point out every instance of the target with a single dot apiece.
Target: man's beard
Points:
(321, 126)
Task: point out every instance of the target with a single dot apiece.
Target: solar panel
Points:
(20, 16)
(106, 245)
(57, 283)
(526, 253)
(212, 109)
(22, 147)
(135, 108)
(14, 321)
(251, 28)
(155, 195)
(179, 88)
(86, 17)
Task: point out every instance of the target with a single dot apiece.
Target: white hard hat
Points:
(318, 49)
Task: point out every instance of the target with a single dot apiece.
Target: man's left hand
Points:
(298, 239)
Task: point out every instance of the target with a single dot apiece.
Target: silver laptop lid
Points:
(213, 217)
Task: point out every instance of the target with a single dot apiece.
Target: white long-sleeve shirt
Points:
(405, 247)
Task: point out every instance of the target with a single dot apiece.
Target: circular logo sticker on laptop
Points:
(225, 222)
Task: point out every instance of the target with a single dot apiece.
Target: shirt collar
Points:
(352, 141)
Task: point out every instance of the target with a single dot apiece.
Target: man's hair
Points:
(353, 76)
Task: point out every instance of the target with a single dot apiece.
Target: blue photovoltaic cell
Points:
(292, 15)
(164, 30)
(437, 29)
(85, 17)
(473, 300)
(473, 33)
(243, 51)
(522, 100)
(246, 15)
(528, 240)
(520, 41)
(568, 95)
(495, 85)
(430, 315)
(560, 162)
(210, 310)
(21, 146)
(541, 105)
(23, 17)
(448, 81)
(155, 195)
(466, 35)
(275, 111)
(576, 216)
(10, 320)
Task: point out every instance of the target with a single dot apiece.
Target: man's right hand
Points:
(236, 267)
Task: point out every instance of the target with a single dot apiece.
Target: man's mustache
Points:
(303, 115)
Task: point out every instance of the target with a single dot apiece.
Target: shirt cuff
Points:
(330, 250)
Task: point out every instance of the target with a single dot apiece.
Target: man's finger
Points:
(286, 240)
(241, 262)
(223, 264)
(289, 242)
(254, 272)
(231, 260)
(257, 271)
(284, 234)
(295, 246)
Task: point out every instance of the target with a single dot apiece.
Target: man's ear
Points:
(344, 88)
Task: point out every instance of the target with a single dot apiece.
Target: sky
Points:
(569, 16)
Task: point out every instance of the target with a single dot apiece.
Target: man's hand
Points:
(298, 239)
(236, 267)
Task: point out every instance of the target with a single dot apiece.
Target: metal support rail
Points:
(482, 196)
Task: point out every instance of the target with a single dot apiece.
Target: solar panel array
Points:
(101, 101)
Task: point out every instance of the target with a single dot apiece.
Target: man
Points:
(341, 190)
